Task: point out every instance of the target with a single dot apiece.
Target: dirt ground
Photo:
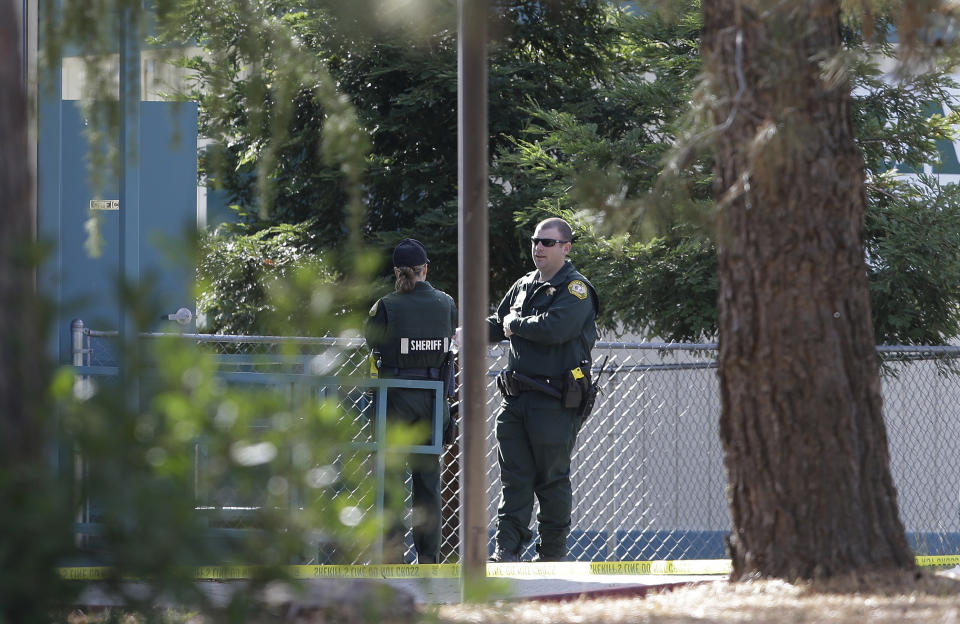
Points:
(928, 598)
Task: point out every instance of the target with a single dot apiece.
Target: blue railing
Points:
(307, 381)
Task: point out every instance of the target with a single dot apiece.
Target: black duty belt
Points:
(512, 383)
(411, 373)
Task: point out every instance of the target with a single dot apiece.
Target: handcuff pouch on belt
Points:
(573, 388)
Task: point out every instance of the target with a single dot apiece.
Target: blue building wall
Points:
(86, 286)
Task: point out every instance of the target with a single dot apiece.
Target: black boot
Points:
(549, 554)
(502, 555)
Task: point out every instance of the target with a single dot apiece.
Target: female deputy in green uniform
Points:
(410, 333)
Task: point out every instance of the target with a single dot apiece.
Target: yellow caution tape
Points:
(445, 570)
(222, 573)
(680, 567)
(84, 574)
(938, 560)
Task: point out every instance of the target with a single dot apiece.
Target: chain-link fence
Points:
(648, 475)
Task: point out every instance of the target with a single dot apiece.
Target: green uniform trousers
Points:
(536, 437)
(415, 407)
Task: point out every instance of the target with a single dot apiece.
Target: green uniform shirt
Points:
(556, 328)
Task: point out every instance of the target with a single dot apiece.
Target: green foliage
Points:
(900, 124)
(168, 443)
(559, 56)
(280, 449)
(658, 279)
(913, 258)
(607, 153)
(652, 259)
(256, 49)
(664, 287)
(36, 534)
(588, 104)
(593, 109)
(241, 276)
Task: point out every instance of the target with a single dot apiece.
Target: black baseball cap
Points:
(409, 253)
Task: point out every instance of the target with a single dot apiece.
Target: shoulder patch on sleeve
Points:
(373, 310)
(578, 289)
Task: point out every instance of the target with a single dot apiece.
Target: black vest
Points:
(419, 328)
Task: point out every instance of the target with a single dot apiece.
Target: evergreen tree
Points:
(655, 257)
(587, 103)
(553, 56)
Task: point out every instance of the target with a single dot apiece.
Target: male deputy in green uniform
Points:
(549, 317)
(410, 331)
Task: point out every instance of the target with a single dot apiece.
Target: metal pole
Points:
(129, 170)
(381, 464)
(49, 211)
(129, 155)
(473, 295)
(76, 342)
(30, 26)
(78, 358)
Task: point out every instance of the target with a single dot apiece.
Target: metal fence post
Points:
(76, 342)
(380, 466)
(78, 358)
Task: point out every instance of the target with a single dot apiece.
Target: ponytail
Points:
(407, 278)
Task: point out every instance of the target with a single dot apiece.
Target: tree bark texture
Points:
(804, 440)
(21, 346)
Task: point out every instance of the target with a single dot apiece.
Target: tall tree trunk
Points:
(802, 426)
(21, 346)
(35, 525)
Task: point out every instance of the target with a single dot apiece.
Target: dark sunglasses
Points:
(546, 242)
